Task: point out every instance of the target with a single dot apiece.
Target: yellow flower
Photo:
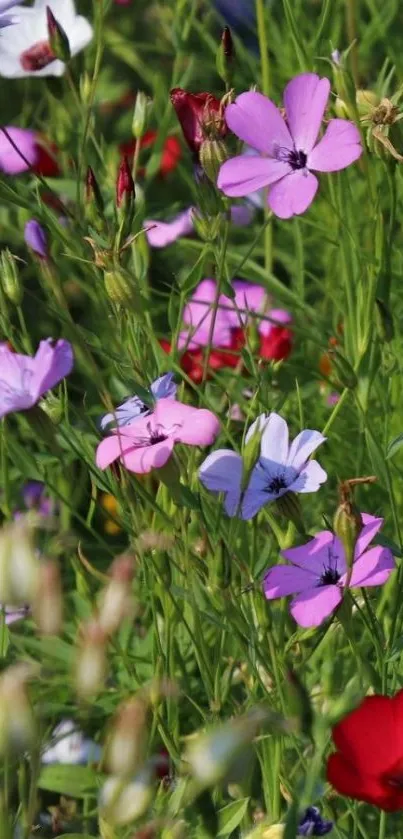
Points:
(109, 503)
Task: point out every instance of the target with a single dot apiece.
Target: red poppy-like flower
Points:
(171, 152)
(201, 116)
(277, 344)
(368, 763)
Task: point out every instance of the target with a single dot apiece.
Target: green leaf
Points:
(231, 816)
(394, 446)
(71, 780)
(77, 836)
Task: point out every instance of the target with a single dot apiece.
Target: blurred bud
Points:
(125, 191)
(142, 109)
(35, 238)
(85, 85)
(93, 193)
(347, 523)
(300, 703)
(127, 743)
(225, 57)
(201, 116)
(19, 563)
(17, 722)
(121, 802)
(212, 755)
(213, 153)
(384, 321)
(345, 373)
(91, 664)
(10, 278)
(48, 604)
(116, 600)
(58, 40)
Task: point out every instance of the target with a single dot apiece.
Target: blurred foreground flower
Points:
(149, 443)
(287, 152)
(277, 467)
(320, 572)
(26, 51)
(24, 379)
(133, 408)
(19, 563)
(69, 745)
(17, 722)
(22, 149)
(368, 762)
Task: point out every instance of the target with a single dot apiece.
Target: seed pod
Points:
(10, 278)
(213, 153)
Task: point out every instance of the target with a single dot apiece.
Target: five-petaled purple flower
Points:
(24, 379)
(318, 573)
(133, 408)
(288, 150)
(35, 238)
(280, 468)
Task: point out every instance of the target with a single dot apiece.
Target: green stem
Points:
(263, 46)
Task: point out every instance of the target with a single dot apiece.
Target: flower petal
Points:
(339, 147)
(372, 568)
(274, 444)
(222, 472)
(371, 736)
(185, 424)
(311, 608)
(293, 194)
(368, 532)
(242, 175)
(111, 448)
(52, 363)
(163, 233)
(257, 121)
(305, 100)
(145, 458)
(314, 555)
(283, 580)
(257, 426)
(310, 479)
(301, 448)
(365, 786)
(11, 162)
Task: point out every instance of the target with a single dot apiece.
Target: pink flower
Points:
(23, 379)
(318, 572)
(150, 442)
(25, 141)
(288, 150)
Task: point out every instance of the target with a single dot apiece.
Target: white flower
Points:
(69, 745)
(25, 49)
(7, 20)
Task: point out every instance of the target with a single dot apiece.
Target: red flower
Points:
(200, 115)
(277, 345)
(46, 162)
(368, 764)
(171, 152)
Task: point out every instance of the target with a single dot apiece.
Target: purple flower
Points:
(35, 498)
(287, 151)
(312, 824)
(14, 613)
(318, 572)
(132, 409)
(24, 379)
(281, 468)
(11, 162)
(35, 238)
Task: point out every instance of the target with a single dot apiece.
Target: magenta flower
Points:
(24, 379)
(12, 163)
(288, 151)
(149, 443)
(318, 572)
(35, 238)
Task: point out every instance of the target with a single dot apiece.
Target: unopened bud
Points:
(127, 744)
(116, 600)
(347, 525)
(85, 86)
(118, 287)
(142, 109)
(125, 191)
(36, 239)
(213, 153)
(93, 193)
(200, 116)
(58, 40)
(225, 57)
(345, 373)
(90, 671)
(384, 321)
(10, 278)
(121, 802)
(48, 604)
(53, 407)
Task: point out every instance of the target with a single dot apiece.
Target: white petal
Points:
(274, 447)
(257, 425)
(302, 447)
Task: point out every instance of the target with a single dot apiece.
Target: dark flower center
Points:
(297, 159)
(276, 485)
(37, 57)
(330, 577)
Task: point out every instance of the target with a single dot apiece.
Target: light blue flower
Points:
(133, 408)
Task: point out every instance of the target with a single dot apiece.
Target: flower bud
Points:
(125, 191)
(58, 40)
(85, 87)
(213, 153)
(345, 373)
(121, 802)
(225, 57)
(127, 744)
(90, 669)
(10, 278)
(35, 238)
(200, 115)
(384, 321)
(93, 193)
(48, 604)
(347, 525)
(142, 108)
(118, 287)
(116, 601)
(53, 407)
